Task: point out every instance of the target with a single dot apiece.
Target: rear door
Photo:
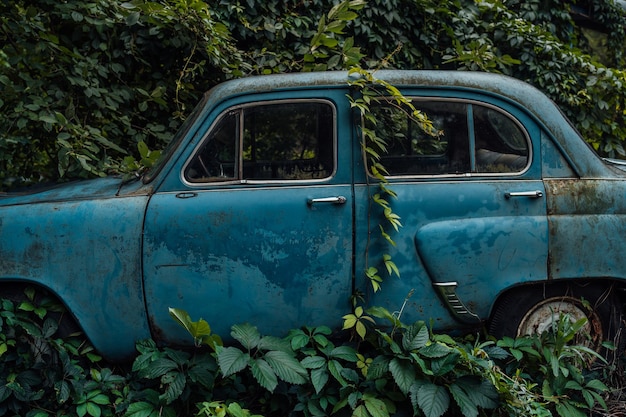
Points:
(472, 205)
(259, 227)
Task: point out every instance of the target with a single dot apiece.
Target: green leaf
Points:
(335, 369)
(344, 352)
(567, 409)
(435, 350)
(175, 387)
(378, 367)
(467, 406)
(597, 385)
(441, 366)
(157, 368)
(375, 406)
(100, 399)
(403, 373)
(232, 360)
(471, 392)
(264, 374)
(433, 400)
(313, 362)
(142, 409)
(93, 409)
(274, 343)
(246, 334)
(286, 367)
(319, 378)
(416, 337)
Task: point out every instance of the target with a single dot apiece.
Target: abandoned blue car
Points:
(260, 211)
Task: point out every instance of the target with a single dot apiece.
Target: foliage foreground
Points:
(403, 370)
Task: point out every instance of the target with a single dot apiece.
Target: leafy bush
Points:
(405, 369)
(85, 82)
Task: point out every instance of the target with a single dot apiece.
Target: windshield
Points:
(173, 144)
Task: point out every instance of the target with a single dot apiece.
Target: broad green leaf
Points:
(360, 411)
(416, 337)
(435, 350)
(246, 334)
(567, 409)
(93, 409)
(286, 367)
(202, 374)
(232, 360)
(433, 400)
(319, 378)
(467, 406)
(299, 340)
(482, 392)
(360, 327)
(375, 406)
(335, 369)
(441, 366)
(63, 391)
(313, 362)
(378, 367)
(274, 343)
(158, 368)
(264, 374)
(346, 353)
(597, 385)
(196, 329)
(142, 409)
(175, 387)
(100, 399)
(403, 373)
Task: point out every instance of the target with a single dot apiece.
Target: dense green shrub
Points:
(84, 82)
(397, 370)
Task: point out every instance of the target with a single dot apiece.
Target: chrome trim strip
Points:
(447, 291)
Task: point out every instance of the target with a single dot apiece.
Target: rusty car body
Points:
(259, 212)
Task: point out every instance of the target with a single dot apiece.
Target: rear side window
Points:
(471, 138)
(268, 142)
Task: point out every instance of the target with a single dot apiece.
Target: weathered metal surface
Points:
(262, 256)
(587, 223)
(87, 251)
(288, 253)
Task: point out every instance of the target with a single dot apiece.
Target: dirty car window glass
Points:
(501, 144)
(270, 141)
(469, 138)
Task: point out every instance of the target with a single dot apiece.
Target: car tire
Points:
(531, 310)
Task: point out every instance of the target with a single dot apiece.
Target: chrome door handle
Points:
(529, 194)
(333, 200)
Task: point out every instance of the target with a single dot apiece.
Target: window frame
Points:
(239, 146)
(471, 140)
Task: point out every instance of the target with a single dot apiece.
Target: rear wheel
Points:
(533, 310)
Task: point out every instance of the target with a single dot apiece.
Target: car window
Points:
(500, 143)
(470, 138)
(270, 141)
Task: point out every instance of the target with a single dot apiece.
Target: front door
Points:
(260, 230)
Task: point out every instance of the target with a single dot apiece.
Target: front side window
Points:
(265, 142)
(470, 138)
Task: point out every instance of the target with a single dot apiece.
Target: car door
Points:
(471, 202)
(260, 227)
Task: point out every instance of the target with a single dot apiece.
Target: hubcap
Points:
(542, 316)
